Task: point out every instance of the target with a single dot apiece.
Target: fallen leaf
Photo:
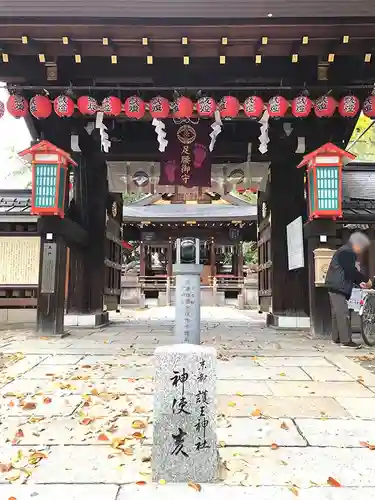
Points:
(128, 451)
(294, 490)
(139, 409)
(140, 483)
(138, 424)
(240, 394)
(138, 435)
(256, 413)
(20, 433)
(11, 404)
(284, 426)
(43, 338)
(274, 446)
(332, 482)
(117, 442)
(86, 421)
(361, 380)
(35, 420)
(12, 498)
(5, 468)
(36, 457)
(145, 459)
(365, 444)
(282, 374)
(195, 486)
(16, 474)
(29, 406)
(47, 401)
(86, 366)
(95, 392)
(283, 462)
(132, 380)
(231, 403)
(162, 481)
(102, 437)
(222, 444)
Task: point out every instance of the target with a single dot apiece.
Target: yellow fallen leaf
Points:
(117, 442)
(138, 424)
(222, 444)
(294, 490)
(256, 413)
(162, 481)
(231, 403)
(282, 374)
(195, 486)
(240, 394)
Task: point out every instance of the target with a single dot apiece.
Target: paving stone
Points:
(59, 406)
(358, 407)
(298, 466)
(62, 359)
(342, 433)
(355, 370)
(50, 371)
(60, 492)
(246, 387)
(229, 371)
(94, 466)
(22, 366)
(275, 407)
(327, 374)
(70, 386)
(323, 389)
(292, 361)
(258, 432)
(221, 492)
(71, 431)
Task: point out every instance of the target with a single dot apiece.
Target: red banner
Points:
(187, 159)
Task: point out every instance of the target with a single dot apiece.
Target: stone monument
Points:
(184, 436)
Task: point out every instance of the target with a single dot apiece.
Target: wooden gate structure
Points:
(276, 51)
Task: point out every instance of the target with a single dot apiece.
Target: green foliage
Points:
(250, 252)
(364, 148)
(132, 197)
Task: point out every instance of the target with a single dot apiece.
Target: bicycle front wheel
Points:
(368, 321)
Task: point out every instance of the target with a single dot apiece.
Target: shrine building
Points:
(183, 106)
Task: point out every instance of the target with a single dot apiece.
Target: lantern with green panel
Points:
(324, 180)
(50, 167)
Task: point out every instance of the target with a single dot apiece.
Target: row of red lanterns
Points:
(159, 107)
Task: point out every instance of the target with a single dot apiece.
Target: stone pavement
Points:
(295, 414)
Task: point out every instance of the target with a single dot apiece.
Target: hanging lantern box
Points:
(50, 167)
(324, 178)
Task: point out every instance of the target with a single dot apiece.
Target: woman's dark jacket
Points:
(342, 273)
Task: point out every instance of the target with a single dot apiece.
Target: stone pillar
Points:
(188, 316)
(184, 436)
(240, 260)
(213, 259)
(142, 259)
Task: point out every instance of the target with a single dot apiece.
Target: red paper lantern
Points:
(87, 105)
(301, 106)
(253, 106)
(17, 106)
(369, 106)
(325, 106)
(229, 107)
(277, 106)
(134, 107)
(183, 107)
(349, 106)
(2, 109)
(40, 106)
(206, 106)
(159, 107)
(63, 106)
(111, 106)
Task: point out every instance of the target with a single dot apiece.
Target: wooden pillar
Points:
(240, 260)
(170, 258)
(52, 276)
(213, 258)
(320, 312)
(142, 258)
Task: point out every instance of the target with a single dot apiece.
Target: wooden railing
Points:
(226, 282)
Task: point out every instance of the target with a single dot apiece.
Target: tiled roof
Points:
(15, 205)
(219, 9)
(182, 212)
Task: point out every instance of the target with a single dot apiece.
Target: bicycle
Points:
(362, 301)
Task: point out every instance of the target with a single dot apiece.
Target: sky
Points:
(14, 137)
